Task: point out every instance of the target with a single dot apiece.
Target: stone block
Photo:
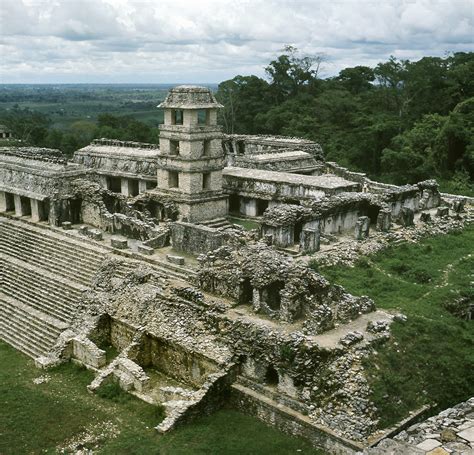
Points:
(468, 434)
(66, 225)
(118, 243)
(429, 444)
(95, 234)
(179, 260)
(407, 216)
(384, 220)
(458, 206)
(83, 230)
(425, 218)
(309, 241)
(361, 230)
(442, 211)
(268, 239)
(143, 249)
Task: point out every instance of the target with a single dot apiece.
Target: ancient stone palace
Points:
(191, 260)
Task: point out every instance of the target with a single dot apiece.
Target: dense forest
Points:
(399, 122)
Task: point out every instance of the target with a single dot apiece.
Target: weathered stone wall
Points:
(119, 158)
(174, 361)
(195, 239)
(292, 423)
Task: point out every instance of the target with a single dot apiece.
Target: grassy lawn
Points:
(431, 356)
(50, 416)
(246, 224)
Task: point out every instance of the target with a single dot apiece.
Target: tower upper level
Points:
(190, 106)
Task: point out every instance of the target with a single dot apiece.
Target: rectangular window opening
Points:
(173, 179)
(177, 117)
(206, 149)
(202, 117)
(206, 181)
(174, 147)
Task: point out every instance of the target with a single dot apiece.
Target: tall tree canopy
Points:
(401, 121)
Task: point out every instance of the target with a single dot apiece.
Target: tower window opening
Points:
(206, 148)
(174, 147)
(173, 179)
(177, 117)
(206, 181)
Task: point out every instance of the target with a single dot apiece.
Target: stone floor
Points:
(451, 432)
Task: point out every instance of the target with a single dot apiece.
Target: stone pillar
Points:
(103, 181)
(248, 207)
(37, 210)
(442, 211)
(361, 230)
(310, 241)
(407, 216)
(125, 189)
(18, 205)
(256, 301)
(3, 201)
(141, 186)
(384, 220)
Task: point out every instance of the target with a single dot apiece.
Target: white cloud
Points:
(212, 40)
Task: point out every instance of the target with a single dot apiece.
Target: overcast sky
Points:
(111, 41)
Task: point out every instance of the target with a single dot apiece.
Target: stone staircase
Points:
(55, 253)
(217, 223)
(42, 277)
(27, 329)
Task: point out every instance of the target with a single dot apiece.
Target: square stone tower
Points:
(191, 155)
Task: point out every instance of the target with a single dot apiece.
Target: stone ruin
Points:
(191, 261)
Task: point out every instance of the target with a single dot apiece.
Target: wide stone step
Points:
(39, 325)
(44, 234)
(44, 306)
(52, 267)
(30, 281)
(73, 270)
(62, 292)
(48, 306)
(7, 334)
(27, 333)
(47, 245)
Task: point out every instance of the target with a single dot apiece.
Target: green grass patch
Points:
(430, 358)
(246, 224)
(43, 417)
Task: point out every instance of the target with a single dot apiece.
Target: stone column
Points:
(18, 205)
(141, 186)
(125, 190)
(37, 210)
(3, 201)
(248, 207)
(256, 301)
(361, 230)
(310, 241)
(103, 181)
(407, 216)
(384, 220)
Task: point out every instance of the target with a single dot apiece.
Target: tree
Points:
(357, 79)
(290, 72)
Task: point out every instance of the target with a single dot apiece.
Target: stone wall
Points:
(195, 239)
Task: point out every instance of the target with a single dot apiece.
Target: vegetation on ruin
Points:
(430, 358)
(51, 416)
